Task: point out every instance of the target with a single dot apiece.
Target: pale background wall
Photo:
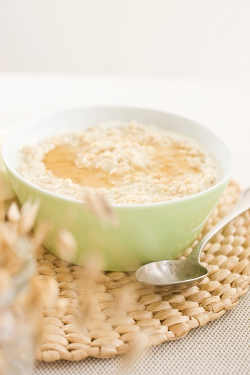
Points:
(203, 38)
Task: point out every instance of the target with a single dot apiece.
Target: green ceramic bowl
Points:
(147, 232)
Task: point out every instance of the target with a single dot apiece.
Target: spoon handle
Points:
(242, 206)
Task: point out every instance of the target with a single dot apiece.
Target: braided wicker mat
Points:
(163, 315)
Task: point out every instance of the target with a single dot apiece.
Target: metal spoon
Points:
(181, 273)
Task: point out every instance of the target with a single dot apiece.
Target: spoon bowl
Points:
(171, 272)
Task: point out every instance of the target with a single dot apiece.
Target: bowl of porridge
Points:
(134, 184)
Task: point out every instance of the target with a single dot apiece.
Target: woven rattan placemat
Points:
(162, 315)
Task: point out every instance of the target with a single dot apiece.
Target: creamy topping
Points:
(129, 163)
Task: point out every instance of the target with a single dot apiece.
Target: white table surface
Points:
(220, 348)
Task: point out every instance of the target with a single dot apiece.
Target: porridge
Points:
(129, 163)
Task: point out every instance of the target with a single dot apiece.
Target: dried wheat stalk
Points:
(19, 241)
(18, 247)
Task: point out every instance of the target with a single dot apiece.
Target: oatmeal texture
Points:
(128, 163)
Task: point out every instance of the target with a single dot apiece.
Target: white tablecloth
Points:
(221, 348)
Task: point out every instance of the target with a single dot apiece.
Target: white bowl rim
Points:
(221, 182)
